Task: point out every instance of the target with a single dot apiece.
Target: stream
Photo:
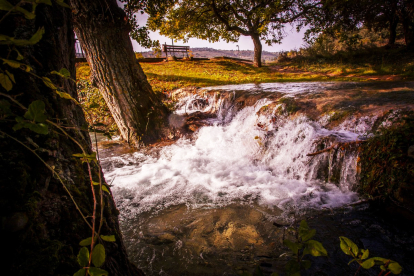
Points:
(220, 201)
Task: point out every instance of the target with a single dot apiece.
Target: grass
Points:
(364, 64)
(166, 76)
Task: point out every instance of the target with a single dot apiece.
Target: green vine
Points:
(35, 119)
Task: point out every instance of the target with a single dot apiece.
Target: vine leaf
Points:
(315, 248)
(11, 76)
(64, 73)
(365, 254)
(5, 5)
(36, 112)
(110, 238)
(86, 242)
(80, 272)
(62, 3)
(105, 189)
(48, 83)
(86, 157)
(348, 246)
(98, 255)
(83, 257)
(65, 95)
(395, 268)
(16, 64)
(94, 271)
(5, 108)
(368, 263)
(38, 128)
(6, 82)
(294, 247)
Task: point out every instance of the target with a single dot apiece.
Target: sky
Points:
(293, 40)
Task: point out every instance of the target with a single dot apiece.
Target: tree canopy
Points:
(227, 20)
(339, 16)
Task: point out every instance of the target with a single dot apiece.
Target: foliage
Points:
(214, 20)
(360, 256)
(303, 246)
(340, 16)
(141, 33)
(36, 120)
(386, 168)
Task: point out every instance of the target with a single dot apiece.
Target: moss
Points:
(289, 106)
(386, 168)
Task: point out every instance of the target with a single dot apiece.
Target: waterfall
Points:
(243, 155)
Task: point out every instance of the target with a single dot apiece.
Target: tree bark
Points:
(40, 226)
(408, 28)
(257, 62)
(393, 31)
(102, 28)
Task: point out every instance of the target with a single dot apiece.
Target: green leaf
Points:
(16, 64)
(26, 13)
(37, 36)
(315, 248)
(395, 268)
(98, 255)
(294, 247)
(64, 73)
(80, 272)
(348, 246)
(94, 271)
(292, 268)
(11, 76)
(5, 82)
(368, 263)
(65, 95)
(365, 254)
(83, 257)
(5, 5)
(36, 112)
(19, 55)
(86, 157)
(275, 274)
(39, 128)
(86, 242)
(63, 4)
(5, 107)
(306, 233)
(48, 83)
(105, 189)
(110, 238)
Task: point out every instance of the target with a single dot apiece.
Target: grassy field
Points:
(166, 76)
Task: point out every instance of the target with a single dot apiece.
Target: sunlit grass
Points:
(166, 76)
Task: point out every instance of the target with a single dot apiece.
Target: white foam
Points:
(231, 161)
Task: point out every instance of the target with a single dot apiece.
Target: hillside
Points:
(211, 53)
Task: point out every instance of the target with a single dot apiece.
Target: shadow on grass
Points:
(364, 98)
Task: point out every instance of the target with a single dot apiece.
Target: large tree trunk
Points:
(102, 28)
(40, 226)
(257, 62)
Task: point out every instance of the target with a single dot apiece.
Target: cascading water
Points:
(241, 156)
(217, 201)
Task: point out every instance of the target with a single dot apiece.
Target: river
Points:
(220, 201)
